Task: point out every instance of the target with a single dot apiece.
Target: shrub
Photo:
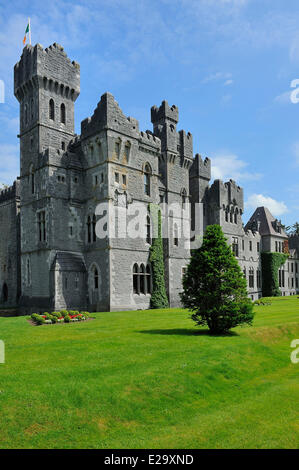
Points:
(64, 313)
(67, 319)
(85, 314)
(56, 314)
(38, 319)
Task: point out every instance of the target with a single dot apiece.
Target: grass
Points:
(150, 379)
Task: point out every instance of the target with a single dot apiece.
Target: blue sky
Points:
(227, 64)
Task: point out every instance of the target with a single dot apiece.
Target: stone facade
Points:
(50, 253)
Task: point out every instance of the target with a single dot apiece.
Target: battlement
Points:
(13, 192)
(164, 112)
(228, 193)
(50, 68)
(201, 168)
(149, 138)
(108, 114)
(186, 144)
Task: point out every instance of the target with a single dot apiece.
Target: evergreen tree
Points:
(214, 286)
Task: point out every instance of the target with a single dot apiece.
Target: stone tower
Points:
(199, 178)
(46, 84)
(174, 165)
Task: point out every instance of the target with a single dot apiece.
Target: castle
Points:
(50, 255)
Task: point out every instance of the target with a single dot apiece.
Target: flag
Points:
(26, 31)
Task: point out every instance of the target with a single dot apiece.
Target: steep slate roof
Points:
(69, 261)
(264, 216)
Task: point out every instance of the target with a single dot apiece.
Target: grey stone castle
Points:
(50, 255)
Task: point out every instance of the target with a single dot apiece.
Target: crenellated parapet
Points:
(149, 139)
(10, 193)
(201, 168)
(108, 115)
(48, 68)
(227, 194)
(185, 146)
(163, 113)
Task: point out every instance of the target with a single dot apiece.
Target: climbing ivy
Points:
(159, 297)
(271, 263)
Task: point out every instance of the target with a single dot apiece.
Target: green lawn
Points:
(150, 379)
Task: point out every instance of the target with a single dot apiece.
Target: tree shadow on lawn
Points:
(187, 332)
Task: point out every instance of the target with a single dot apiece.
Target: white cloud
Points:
(9, 163)
(230, 3)
(226, 99)
(296, 153)
(276, 208)
(228, 82)
(284, 98)
(226, 76)
(9, 123)
(229, 166)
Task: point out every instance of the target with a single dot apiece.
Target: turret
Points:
(165, 119)
(46, 84)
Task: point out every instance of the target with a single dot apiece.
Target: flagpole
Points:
(29, 31)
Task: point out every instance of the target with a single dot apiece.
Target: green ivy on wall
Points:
(159, 297)
(271, 263)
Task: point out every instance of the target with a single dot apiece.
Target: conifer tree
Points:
(215, 289)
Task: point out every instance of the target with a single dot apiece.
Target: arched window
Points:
(32, 109)
(236, 215)
(51, 110)
(95, 278)
(148, 280)
(235, 246)
(142, 279)
(127, 150)
(26, 114)
(42, 226)
(175, 235)
(136, 288)
(231, 215)
(226, 215)
(117, 147)
(251, 277)
(28, 272)
(184, 198)
(62, 113)
(94, 223)
(32, 179)
(258, 279)
(148, 230)
(244, 272)
(147, 180)
(5, 292)
(89, 229)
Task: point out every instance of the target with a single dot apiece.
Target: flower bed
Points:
(64, 316)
